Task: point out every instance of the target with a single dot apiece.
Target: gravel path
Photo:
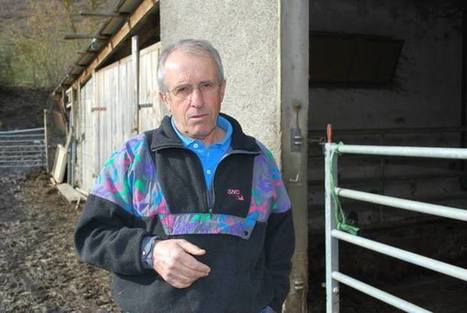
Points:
(39, 270)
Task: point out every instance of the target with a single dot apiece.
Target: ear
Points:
(165, 99)
(222, 90)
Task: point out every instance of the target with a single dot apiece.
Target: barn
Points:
(387, 73)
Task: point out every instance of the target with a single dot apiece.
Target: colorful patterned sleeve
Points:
(280, 238)
(281, 200)
(114, 181)
(106, 235)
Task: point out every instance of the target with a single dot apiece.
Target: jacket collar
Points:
(165, 137)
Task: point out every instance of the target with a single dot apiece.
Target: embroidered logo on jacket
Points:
(236, 193)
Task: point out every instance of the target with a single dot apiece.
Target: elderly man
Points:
(191, 217)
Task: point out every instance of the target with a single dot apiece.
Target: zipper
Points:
(209, 192)
(211, 195)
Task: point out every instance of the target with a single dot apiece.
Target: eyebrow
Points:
(203, 81)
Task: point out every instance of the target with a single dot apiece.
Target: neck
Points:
(216, 135)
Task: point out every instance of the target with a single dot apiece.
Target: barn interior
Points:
(390, 73)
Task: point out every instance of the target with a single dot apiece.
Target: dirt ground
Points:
(39, 270)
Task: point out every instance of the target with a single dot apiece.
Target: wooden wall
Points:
(108, 109)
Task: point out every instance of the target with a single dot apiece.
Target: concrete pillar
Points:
(294, 98)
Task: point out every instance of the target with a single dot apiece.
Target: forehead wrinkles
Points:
(183, 66)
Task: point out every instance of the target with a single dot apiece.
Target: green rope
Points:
(341, 221)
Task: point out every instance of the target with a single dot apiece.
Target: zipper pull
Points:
(210, 213)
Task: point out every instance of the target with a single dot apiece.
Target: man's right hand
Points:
(173, 260)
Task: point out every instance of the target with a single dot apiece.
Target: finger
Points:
(193, 266)
(170, 256)
(180, 276)
(191, 248)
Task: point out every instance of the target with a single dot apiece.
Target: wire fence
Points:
(24, 148)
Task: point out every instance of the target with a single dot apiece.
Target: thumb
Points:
(191, 248)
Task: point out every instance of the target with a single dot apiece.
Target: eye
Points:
(182, 90)
(206, 85)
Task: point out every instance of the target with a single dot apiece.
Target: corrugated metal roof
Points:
(109, 27)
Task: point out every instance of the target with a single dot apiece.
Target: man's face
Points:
(195, 112)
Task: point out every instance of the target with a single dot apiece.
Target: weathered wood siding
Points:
(149, 117)
(114, 108)
(108, 111)
(86, 137)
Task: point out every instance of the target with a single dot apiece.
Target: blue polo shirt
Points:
(211, 155)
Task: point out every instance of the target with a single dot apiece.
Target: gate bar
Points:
(411, 205)
(22, 130)
(378, 294)
(444, 153)
(432, 264)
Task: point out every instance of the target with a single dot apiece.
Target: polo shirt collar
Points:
(222, 122)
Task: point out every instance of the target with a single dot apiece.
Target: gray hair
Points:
(192, 46)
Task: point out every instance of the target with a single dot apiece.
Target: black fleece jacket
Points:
(153, 185)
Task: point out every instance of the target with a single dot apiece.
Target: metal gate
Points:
(24, 148)
(336, 228)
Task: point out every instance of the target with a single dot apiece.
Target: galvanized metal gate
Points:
(337, 230)
(24, 148)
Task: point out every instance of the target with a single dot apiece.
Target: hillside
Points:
(22, 107)
(34, 55)
(33, 49)
(13, 12)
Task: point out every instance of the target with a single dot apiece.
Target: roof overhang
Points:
(127, 17)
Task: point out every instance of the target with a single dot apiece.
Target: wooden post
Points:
(135, 60)
(46, 142)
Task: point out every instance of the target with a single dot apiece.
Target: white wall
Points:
(246, 33)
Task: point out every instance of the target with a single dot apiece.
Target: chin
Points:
(201, 133)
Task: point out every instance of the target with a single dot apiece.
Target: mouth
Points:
(198, 116)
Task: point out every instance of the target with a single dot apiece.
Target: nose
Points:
(196, 98)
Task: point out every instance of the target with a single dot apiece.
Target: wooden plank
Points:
(87, 136)
(119, 37)
(150, 116)
(58, 170)
(70, 194)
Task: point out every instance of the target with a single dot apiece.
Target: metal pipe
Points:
(19, 157)
(23, 146)
(462, 112)
(23, 152)
(5, 136)
(22, 140)
(445, 153)
(432, 198)
(102, 14)
(46, 142)
(411, 205)
(378, 131)
(329, 133)
(331, 244)
(22, 131)
(432, 264)
(21, 166)
(12, 163)
(85, 36)
(378, 294)
(360, 180)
